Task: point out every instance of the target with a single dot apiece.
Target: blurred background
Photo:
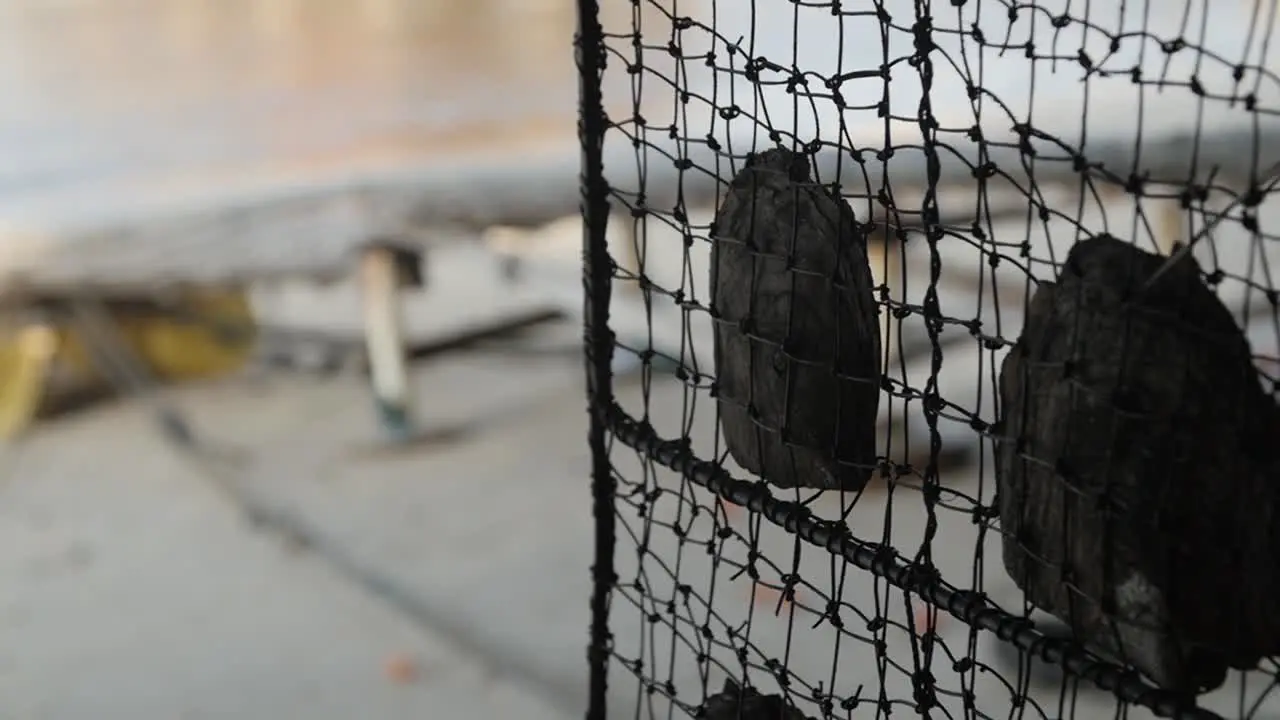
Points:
(220, 223)
(205, 512)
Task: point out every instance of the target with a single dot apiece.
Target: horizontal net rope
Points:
(884, 562)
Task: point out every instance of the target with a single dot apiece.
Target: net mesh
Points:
(976, 142)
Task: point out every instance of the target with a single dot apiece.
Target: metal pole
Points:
(596, 282)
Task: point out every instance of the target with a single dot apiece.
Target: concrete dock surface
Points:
(134, 588)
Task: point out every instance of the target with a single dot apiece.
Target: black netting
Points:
(1126, 562)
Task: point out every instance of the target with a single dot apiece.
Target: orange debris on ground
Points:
(400, 669)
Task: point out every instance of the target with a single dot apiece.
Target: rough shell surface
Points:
(797, 334)
(1136, 470)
